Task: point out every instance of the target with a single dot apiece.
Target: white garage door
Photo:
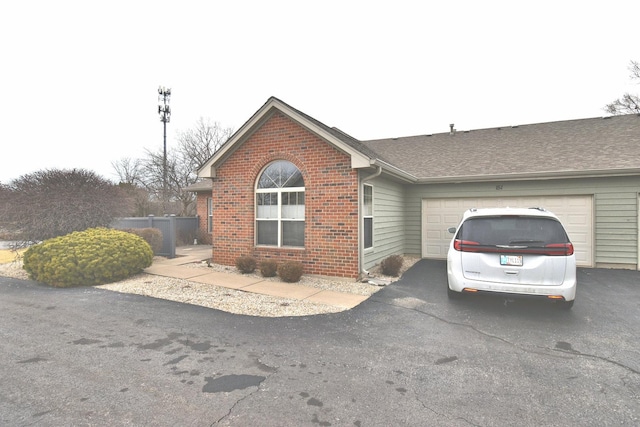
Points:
(575, 212)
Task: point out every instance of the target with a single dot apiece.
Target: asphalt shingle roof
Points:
(555, 148)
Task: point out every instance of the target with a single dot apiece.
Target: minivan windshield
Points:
(513, 231)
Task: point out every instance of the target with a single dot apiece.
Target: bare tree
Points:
(55, 202)
(129, 170)
(179, 175)
(195, 147)
(628, 103)
(153, 177)
(198, 144)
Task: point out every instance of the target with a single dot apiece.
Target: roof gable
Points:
(359, 154)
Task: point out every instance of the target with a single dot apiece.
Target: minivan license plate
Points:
(511, 260)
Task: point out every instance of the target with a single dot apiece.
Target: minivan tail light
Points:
(559, 249)
(465, 245)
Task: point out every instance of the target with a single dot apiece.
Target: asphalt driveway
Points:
(406, 356)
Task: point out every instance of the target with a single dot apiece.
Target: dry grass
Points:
(7, 255)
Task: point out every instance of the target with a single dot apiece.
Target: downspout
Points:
(376, 174)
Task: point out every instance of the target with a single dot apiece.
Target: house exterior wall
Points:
(615, 210)
(201, 211)
(331, 200)
(388, 221)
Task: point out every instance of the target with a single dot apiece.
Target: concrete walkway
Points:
(176, 268)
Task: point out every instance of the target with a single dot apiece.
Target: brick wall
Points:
(201, 211)
(331, 200)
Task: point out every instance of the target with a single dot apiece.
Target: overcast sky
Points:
(80, 78)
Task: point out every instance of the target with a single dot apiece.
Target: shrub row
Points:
(289, 271)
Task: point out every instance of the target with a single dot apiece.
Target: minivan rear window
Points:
(520, 231)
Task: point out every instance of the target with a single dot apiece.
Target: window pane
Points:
(209, 214)
(367, 201)
(267, 232)
(267, 205)
(280, 174)
(293, 205)
(510, 230)
(293, 212)
(368, 232)
(293, 233)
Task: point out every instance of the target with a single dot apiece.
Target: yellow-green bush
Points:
(91, 257)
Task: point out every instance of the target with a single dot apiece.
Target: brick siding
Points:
(201, 210)
(331, 200)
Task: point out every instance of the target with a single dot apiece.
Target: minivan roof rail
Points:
(538, 208)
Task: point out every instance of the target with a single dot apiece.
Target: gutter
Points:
(376, 174)
(393, 171)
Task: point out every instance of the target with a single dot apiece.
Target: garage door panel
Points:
(575, 212)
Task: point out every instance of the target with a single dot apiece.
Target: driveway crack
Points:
(545, 351)
(237, 402)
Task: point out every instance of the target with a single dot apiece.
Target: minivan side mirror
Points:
(451, 230)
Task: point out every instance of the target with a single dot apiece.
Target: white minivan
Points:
(513, 252)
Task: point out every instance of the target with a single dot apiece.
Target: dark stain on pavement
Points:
(562, 345)
(315, 402)
(196, 346)
(444, 360)
(228, 383)
(33, 360)
(176, 360)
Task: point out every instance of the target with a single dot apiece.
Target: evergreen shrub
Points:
(87, 258)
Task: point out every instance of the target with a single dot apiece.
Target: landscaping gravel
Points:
(231, 300)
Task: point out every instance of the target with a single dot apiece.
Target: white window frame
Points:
(367, 215)
(279, 212)
(209, 214)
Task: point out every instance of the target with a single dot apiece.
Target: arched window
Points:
(280, 205)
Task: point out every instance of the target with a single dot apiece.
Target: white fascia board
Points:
(394, 171)
(604, 173)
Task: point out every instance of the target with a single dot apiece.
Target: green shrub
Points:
(268, 268)
(391, 265)
(153, 236)
(91, 257)
(246, 264)
(290, 271)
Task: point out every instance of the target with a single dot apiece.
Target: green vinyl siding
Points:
(615, 210)
(388, 221)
